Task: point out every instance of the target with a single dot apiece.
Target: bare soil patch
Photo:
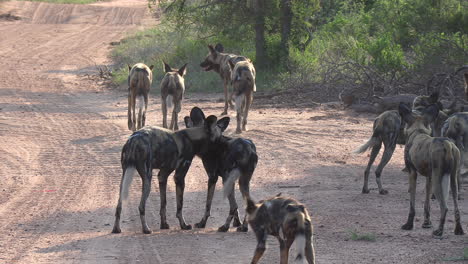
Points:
(62, 133)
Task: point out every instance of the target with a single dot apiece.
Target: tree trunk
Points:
(260, 49)
(286, 21)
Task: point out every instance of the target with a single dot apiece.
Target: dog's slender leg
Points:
(225, 97)
(412, 190)
(248, 103)
(118, 210)
(309, 248)
(285, 245)
(232, 211)
(146, 188)
(144, 112)
(130, 100)
(387, 155)
(164, 110)
(261, 245)
(162, 178)
(175, 113)
(134, 112)
(373, 155)
(212, 179)
(427, 204)
(180, 186)
(240, 100)
(454, 188)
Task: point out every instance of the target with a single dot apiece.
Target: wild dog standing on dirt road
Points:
(218, 61)
(158, 148)
(388, 129)
(243, 84)
(232, 159)
(436, 158)
(172, 93)
(139, 81)
(287, 220)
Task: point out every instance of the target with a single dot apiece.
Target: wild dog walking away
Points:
(232, 159)
(158, 148)
(243, 83)
(219, 62)
(172, 93)
(288, 221)
(438, 159)
(388, 129)
(139, 80)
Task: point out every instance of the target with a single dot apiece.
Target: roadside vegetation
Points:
(379, 47)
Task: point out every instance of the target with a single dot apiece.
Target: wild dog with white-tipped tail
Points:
(172, 93)
(158, 148)
(287, 220)
(139, 81)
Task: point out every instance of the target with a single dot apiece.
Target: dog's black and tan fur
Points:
(158, 148)
(436, 158)
(172, 93)
(287, 220)
(243, 84)
(388, 129)
(139, 81)
(230, 159)
(218, 61)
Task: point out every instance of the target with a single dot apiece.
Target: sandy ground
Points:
(61, 135)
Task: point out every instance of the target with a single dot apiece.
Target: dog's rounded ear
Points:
(434, 97)
(188, 122)
(210, 121)
(167, 68)
(223, 123)
(219, 47)
(212, 50)
(151, 67)
(129, 67)
(197, 116)
(183, 70)
(405, 112)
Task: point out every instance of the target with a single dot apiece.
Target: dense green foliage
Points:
(391, 45)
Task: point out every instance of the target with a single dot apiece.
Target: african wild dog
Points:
(287, 220)
(218, 61)
(158, 148)
(172, 93)
(232, 159)
(139, 81)
(388, 129)
(243, 83)
(436, 158)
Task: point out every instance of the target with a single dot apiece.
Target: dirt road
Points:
(61, 135)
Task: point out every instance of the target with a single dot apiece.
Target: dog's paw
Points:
(383, 192)
(427, 224)
(459, 230)
(242, 229)
(186, 227)
(116, 230)
(147, 231)
(407, 226)
(164, 226)
(365, 190)
(223, 228)
(200, 225)
(437, 233)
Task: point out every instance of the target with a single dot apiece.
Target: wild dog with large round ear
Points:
(172, 93)
(156, 148)
(139, 81)
(436, 158)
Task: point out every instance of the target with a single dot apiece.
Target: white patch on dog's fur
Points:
(127, 180)
(300, 248)
(169, 101)
(230, 182)
(140, 102)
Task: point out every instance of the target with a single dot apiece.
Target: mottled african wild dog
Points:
(139, 81)
(218, 61)
(158, 148)
(436, 158)
(287, 220)
(231, 159)
(388, 129)
(243, 84)
(172, 93)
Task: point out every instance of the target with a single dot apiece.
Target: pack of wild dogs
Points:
(234, 159)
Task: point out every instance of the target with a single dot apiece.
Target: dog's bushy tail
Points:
(369, 144)
(228, 187)
(300, 238)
